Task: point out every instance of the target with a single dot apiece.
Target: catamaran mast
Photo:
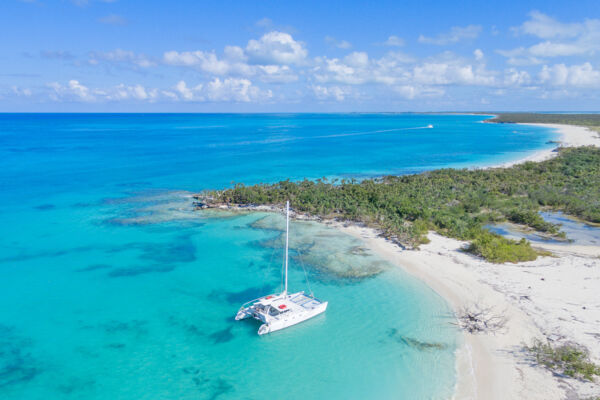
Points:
(287, 236)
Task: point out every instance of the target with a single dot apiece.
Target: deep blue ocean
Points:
(113, 288)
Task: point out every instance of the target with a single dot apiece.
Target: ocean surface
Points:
(113, 288)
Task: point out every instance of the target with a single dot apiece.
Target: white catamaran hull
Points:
(292, 320)
(279, 311)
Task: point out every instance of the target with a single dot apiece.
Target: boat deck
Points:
(304, 301)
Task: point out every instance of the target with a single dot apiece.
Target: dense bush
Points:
(497, 249)
(455, 203)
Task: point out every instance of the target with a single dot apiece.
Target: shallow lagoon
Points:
(112, 288)
(577, 232)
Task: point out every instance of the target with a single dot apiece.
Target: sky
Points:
(298, 56)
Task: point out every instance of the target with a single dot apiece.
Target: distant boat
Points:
(278, 311)
(430, 126)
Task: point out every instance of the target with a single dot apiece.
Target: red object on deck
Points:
(282, 306)
(269, 297)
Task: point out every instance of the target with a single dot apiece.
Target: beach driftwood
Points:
(477, 319)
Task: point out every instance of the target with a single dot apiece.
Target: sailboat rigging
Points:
(279, 311)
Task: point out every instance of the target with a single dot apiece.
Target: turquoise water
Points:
(112, 288)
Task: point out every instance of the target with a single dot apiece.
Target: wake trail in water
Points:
(370, 132)
(335, 135)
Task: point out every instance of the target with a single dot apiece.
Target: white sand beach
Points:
(552, 298)
(571, 136)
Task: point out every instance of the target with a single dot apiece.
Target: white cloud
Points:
(276, 48)
(232, 89)
(221, 90)
(25, 92)
(394, 41)
(559, 39)
(456, 34)
(546, 27)
(478, 54)
(72, 91)
(188, 93)
(216, 90)
(234, 62)
(414, 91)
(276, 74)
(337, 93)
(205, 61)
(123, 57)
(453, 73)
(514, 77)
(582, 76)
(340, 44)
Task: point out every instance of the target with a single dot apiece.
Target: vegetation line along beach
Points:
(433, 225)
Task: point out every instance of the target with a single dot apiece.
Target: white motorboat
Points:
(278, 311)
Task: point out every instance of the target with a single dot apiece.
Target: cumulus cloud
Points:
(72, 91)
(455, 35)
(337, 93)
(393, 69)
(478, 54)
(559, 39)
(232, 89)
(270, 59)
(204, 61)
(583, 75)
(217, 90)
(276, 48)
(453, 73)
(394, 41)
(415, 91)
(340, 44)
(546, 27)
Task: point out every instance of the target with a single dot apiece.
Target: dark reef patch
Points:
(220, 388)
(222, 336)
(17, 365)
(241, 296)
(135, 327)
(182, 250)
(94, 267)
(416, 344)
(25, 255)
(139, 270)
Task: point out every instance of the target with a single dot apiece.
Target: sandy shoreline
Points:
(570, 136)
(553, 298)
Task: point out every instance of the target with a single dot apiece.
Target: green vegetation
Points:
(497, 249)
(590, 120)
(568, 359)
(454, 203)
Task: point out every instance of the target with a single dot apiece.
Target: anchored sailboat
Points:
(278, 311)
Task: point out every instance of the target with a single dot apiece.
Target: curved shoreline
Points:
(491, 367)
(494, 366)
(570, 136)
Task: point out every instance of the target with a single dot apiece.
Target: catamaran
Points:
(278, 311)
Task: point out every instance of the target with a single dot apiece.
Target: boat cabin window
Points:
(275, 311)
